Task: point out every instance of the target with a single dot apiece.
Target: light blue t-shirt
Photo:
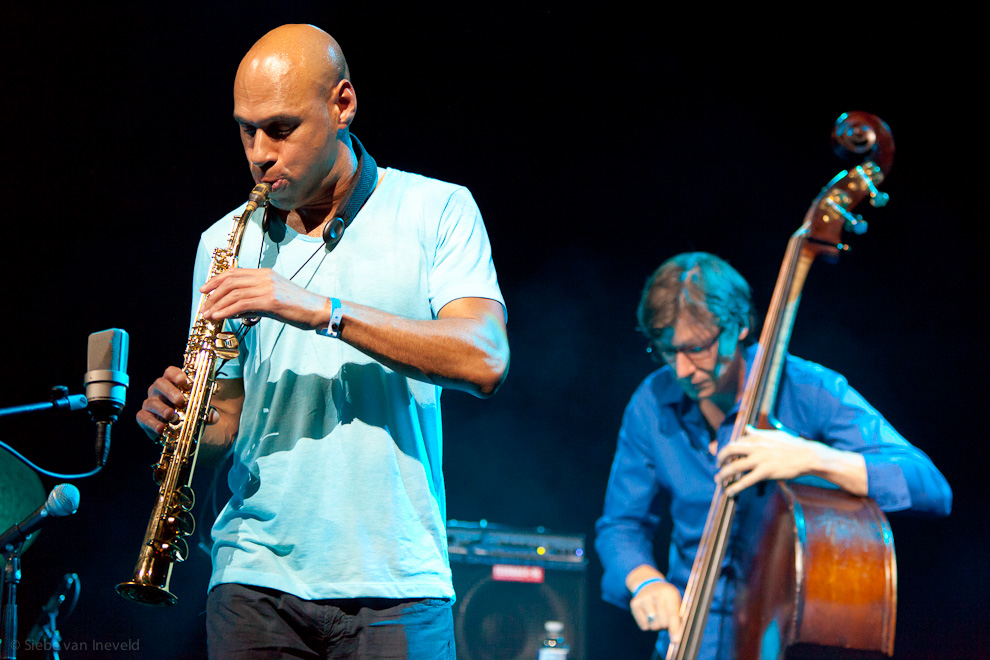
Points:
(337, 483)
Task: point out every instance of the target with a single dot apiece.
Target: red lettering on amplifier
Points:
(512, 573)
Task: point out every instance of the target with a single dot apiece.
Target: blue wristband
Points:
(336, 315)
(644, 583)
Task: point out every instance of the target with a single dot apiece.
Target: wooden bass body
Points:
(823, 580)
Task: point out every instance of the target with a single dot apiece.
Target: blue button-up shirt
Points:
(663, 457)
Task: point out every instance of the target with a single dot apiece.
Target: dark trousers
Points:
(251, 623)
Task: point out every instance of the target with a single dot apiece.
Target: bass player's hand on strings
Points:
(769, 454)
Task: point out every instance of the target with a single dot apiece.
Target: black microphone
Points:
(69, 583)
(62, 501)
(106, 384)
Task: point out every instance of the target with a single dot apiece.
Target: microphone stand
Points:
(59, 400)
(52, 638)
(48, 638)
(11, 578)
(44, 634)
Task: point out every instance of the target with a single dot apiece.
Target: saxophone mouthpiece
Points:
(258, 196)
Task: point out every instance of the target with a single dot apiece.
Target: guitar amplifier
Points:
(509, 582)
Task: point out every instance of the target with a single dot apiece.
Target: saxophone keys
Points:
(180, 523)
(159, 469)
(168, 435)
(172, 429)
(175, 550)
(226, 345)
(184, 498)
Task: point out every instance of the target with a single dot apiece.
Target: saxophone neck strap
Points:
(333, 231)
(367, 179)
(367, 171)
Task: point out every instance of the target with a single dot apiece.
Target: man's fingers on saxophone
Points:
(165, 397)
(168, 395)
(151, 424)
(154, 414)
(213, 417)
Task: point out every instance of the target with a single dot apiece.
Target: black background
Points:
(597, 144)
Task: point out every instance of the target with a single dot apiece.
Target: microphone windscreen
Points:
(108, 350)
(63, 500)
(106, 381)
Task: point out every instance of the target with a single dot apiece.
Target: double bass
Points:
(823, 580)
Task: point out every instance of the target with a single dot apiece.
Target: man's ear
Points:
(343, 101)
(727, 350)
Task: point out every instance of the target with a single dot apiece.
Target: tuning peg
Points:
(856, 224)
(851, 222)
(877, 199)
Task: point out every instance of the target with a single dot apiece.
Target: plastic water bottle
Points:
(554, 647)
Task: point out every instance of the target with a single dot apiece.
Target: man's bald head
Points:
(295, 105)
(295, 53)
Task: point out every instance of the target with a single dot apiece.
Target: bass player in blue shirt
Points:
(672, 447)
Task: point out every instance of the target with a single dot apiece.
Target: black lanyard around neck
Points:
(334, 229)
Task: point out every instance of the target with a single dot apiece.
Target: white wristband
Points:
(336, 315)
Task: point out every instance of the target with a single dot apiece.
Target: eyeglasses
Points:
(668, 354)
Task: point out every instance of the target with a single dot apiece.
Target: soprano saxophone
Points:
(171, 518)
